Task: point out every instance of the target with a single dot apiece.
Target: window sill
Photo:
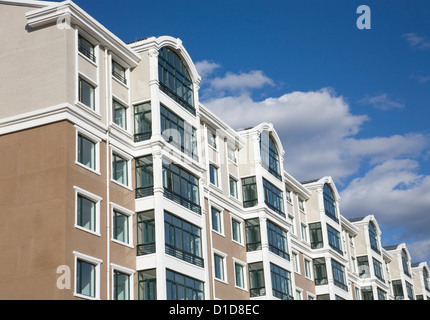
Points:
(88, 59)
(95, 233)
(122, 243)
(89, 110)
(87, 168)
(121, 83)
(121, 185)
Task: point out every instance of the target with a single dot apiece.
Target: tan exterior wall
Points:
(301, 281)
(47, 77)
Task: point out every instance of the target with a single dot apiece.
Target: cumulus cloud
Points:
(381, 102)
(205, 67)
(318, 131)
(416, 41)
(395, 193)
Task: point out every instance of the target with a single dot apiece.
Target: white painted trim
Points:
(97, 200)
(129, 213)
(96, 262)
(127, 271)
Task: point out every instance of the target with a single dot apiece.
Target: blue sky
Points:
(349, 103)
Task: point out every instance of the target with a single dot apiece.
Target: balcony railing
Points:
(178, 99)
(183, 255)
(282, 295)
(87, 53)
(182, 201)
(144, 249)
(257, 292)
(144, 192)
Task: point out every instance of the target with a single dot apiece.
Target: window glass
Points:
(119, 115)
(86, 213)
(120, 172)
(87, 94)
(86, 278)
(86, 152)
(120, 227)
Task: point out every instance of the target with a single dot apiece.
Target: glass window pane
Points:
(85, 281)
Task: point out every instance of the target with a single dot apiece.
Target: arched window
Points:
(270, 155)
(329, 202)
(373, 237)
(175, 79)
(405, 263)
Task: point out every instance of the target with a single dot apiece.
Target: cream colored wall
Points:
(35, 62)
(139, 78)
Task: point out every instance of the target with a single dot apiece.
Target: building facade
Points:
(116, 183)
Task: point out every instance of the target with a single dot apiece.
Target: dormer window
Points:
(175, 80)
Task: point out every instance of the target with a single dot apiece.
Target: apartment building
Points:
(117, 183)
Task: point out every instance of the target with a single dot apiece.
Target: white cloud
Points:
(382, 102)
(395, 193)
(419, 250)
(240, 82)
(205, 67)
(420, 78)
(416, 41)
(318, 132)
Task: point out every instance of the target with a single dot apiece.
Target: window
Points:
(144, 177)
(363, 267)
(212, 139)
(281, 283)
(270, 155)
(87, 211)
(239, 275)
(233, 187)
(381, 294)
(217, 221)
(87, 94)
(145, 233)
(182, 287)
(175, 80)
(315, 234)
(329, 203)
(87, 276)
(398, 290)
(183, 240)
(304, 232)
(256, 279)
(334, 239)
(288, 195)
(308, 273)
(147, 285)
(119, 169)
(373, 237)
(291, 222)
(119, 113)
(219, 267)
(87, 152)
(249, 190)
(367, 293)
(119, 72)
(121, 226)
(410, 291)
(338, 275)
(405, 262)
(178, 133)
(320, 271)
(121, 285)
(142, 122)
(295, 263)
(213, 172)
(277, 239)
(273, 198)
(181, 187)
(302, 205)
(253, 238)
(236, 230)
(231, 153)
(86, 48)
(377, 267)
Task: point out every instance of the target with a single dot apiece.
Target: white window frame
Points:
(126, 271)
(91, 40)
(94, 198)
(302, 208)
(123, 103)
(119, 61)
(304, 232)
(308, 271)
(94, 261)
(129, 213)
(240, 221)
(217, 183)
(96, 141)
(96, 111)
(235, 151)
(237, 187)
(296, 263)
(244, 273)
(127, 158)
(224, 265)
(221, 213)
